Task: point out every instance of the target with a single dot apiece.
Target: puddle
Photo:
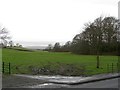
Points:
(49, 85)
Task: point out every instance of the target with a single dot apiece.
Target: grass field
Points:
(21, 61)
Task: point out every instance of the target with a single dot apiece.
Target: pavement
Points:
(13, 81)
(93, 78)
(73, 80)
(108, 83)
(37, 81)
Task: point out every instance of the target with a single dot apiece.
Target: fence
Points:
(109, 68)
(113, 67)
(6, 68)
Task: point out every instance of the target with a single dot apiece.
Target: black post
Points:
(3, 64)
(9, 68)
(98, 61)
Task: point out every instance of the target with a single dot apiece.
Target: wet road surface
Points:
(111, 83)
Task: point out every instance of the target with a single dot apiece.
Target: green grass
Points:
(25, 59)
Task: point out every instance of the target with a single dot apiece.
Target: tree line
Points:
(99, 37)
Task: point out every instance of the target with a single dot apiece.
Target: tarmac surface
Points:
(33, 81)
(111, 83)
(14, 81)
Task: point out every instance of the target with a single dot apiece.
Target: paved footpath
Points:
(14, 81)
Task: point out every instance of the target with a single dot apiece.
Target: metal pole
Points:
(98, 61)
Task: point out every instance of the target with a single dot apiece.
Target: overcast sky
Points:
(39, 22)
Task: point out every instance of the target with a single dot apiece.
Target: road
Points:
(111, 83)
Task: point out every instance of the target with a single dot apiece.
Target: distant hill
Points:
(36, 47)
(20, 49)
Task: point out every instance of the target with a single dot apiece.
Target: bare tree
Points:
(11, 43)
(49, 47)
(4, 37)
